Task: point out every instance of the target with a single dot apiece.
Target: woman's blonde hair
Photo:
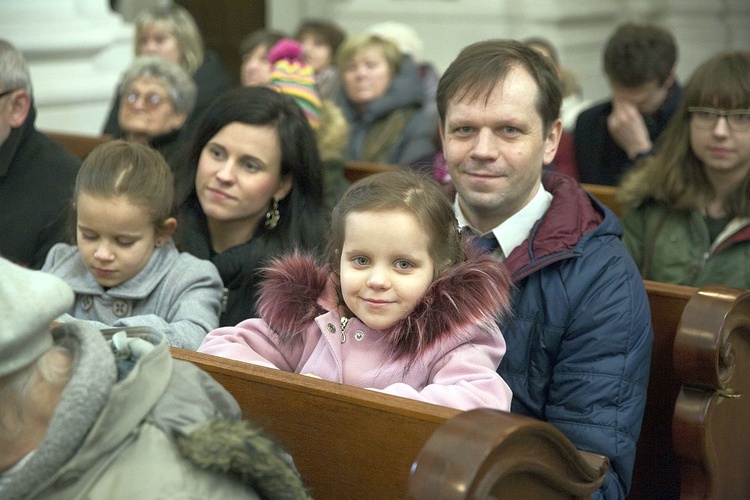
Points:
(357, 43)
(177, 21)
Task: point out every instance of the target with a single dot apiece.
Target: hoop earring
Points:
(273, 216)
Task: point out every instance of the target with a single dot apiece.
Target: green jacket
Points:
(673, 246)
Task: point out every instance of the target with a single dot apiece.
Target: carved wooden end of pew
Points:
(492, 454)
(710, 423)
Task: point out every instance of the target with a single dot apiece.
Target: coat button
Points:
(331, 328)
(359, 335)
(87, 302)
(120, 308)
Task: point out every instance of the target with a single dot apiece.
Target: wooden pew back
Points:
(656, 473)
(345, 445)
(77, 145)
(356, 170)
(607, 195)
(349, 442)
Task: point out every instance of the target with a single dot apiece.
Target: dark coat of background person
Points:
(36, 185)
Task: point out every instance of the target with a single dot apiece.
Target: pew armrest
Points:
(712, 362)
(493, 454)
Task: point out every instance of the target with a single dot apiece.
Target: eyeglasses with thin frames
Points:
(738, 120)
(151, 101)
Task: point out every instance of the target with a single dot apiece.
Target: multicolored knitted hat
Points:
(292, 76)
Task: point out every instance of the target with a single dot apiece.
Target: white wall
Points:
(77, 49)
(579, 28)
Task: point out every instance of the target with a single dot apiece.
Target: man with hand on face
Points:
(639, 61)
(579, 334)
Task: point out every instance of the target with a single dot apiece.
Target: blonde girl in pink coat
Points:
(403, 306)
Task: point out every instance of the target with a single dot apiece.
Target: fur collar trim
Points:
(239, 449)
(297, 289)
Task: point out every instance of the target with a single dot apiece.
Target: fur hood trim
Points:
(241, 450)
(297, 289)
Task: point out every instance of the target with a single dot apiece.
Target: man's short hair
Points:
(331, 33)
(637, 54)
(14, 74)
(481, 65)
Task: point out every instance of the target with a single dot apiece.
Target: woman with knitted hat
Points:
(292, 75)
(87, 415)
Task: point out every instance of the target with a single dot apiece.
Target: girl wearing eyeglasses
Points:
(688, 217)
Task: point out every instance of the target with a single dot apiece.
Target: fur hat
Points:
(292, 76)
(29, 302)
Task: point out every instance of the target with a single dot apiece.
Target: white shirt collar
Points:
(516, 228)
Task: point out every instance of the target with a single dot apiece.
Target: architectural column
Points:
(76, 51)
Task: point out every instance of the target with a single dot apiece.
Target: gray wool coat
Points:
(176, 293)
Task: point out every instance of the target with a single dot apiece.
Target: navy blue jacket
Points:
(579, 341)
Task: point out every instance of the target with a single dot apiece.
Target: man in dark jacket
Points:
(36, 174)
(610, 137)
(579, 336)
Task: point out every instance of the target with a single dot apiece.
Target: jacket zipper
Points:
(344, 321)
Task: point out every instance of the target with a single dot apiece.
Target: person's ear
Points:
(440, 133)
(165, 231)
(551, 142)
(178, 120)
(670, 79)
(285, 185)
(20, 104)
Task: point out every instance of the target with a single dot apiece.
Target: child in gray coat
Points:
(125, 269)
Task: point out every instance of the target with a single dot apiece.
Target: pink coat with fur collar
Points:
(445, 352)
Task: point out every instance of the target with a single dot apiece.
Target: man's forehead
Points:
(641, 92)
(476, 95)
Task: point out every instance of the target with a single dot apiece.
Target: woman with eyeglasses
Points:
(156, 97)
(688, 217)
(171, 32)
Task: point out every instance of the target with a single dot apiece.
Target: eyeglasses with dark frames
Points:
(738, 120)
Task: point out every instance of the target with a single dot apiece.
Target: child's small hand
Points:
(311, 375)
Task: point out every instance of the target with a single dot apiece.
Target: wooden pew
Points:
(693, 443)
(607, 195)
(77, 145)
(356, 170)
(349, 442)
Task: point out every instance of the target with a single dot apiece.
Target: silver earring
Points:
(272, 216)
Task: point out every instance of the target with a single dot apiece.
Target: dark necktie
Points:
(487, 244)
